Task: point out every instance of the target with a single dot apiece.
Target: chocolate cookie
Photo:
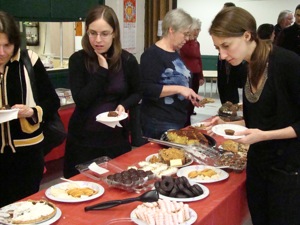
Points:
(196, 189)
(174, 191)
(159, 189)
(185, 190)
(167, 183)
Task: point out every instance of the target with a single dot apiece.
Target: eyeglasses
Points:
(186, 34)
(104, 35)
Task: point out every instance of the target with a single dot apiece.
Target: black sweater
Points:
(96, 93)
(278, 107)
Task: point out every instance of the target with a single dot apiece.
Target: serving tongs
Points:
(201, 153)
(149, 196)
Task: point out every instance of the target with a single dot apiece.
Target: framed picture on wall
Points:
(32, 33)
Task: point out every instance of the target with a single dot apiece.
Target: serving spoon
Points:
(150, 196)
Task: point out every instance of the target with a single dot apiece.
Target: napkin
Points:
(97, 169)
(8, 114)
(111, 124)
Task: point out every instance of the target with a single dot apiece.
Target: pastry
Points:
(112, 114)
(170, 212)
(187, 137)
(230, 145)
(169, 154)
(29, 212)
(207, 172)
(229, 131)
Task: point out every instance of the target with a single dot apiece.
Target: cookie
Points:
(185, 190)
(167, 183)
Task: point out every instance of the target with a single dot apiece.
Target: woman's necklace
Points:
(249, 93)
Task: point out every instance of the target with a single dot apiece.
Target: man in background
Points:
(284, 20)
(289, 38)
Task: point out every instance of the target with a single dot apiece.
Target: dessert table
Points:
(226, 203)
(65, 113)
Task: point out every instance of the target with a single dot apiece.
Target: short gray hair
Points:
(283, 14)
(178, 19)
(196, 25)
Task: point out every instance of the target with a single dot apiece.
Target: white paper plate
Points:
(8, 114)
(64, 185)
(45, 222)
(222, 175)
(53, 219)
(104, 118)
(193, 199)
(190, 160)
(193, 218)
(220, 130)
(200, 126)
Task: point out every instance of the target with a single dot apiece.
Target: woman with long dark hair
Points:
(103, 77)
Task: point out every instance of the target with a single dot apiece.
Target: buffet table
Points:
(226, 203)
(65, 113)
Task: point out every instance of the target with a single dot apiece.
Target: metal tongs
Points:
(201, 153)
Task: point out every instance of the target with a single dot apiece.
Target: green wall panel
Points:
(209, 62)
(48, 10)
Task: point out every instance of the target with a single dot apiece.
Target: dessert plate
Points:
(200, 126)
(62, 196)
(193, 218)
(104, 118)
(211, 141)
(221, 174)
(193, 199)
(53, 219)
(189, 160)
(12, 207)
(220, 130)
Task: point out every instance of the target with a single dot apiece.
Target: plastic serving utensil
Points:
(150, 196)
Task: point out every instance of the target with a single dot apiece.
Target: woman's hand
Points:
(102, 60)
(24, 110)
(120, 109)
(251, 136)
(215, 121)
(189, 94)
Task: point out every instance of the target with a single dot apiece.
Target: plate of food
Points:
(180, 189)
(158, 169)
(111, 116)
(186, 215)
(190, 136)
(192, 199)
(231, 112)
(228, 130)
(30, 212)
(203, 174)
(235, 147)
(185, 161)
(76, 191)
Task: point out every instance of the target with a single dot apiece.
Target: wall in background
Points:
(117, 5)
(264, 11)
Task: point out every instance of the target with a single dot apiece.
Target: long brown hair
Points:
(234, 22)
(114, 52)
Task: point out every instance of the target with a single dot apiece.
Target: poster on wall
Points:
(129, 29)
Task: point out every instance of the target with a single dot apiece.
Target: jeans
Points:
(154, 128)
